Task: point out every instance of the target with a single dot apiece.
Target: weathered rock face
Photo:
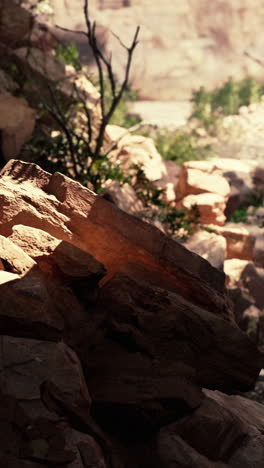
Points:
(183, 45)
(210, 246)
(150, 322)
(186, 443)
(17, 121)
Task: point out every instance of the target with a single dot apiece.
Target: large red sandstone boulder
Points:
(158, 327)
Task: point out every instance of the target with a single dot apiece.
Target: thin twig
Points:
(257, 60)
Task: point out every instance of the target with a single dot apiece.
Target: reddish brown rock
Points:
(252, 279)
(40, 307)
(56, 257)
(139, 150)
(17, 121)
(125, 197)
(241, 239)
(225, 431)
(41, 435)
(233, 269)
(210, 246)
(16, 23)
(210, 206)
(160, 328)
(195, 181)
(70, 212)
(13, 258)
(164, 349)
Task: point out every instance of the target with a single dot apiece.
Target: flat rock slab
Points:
(225, 431)
(70, 212)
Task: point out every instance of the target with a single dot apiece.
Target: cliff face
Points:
(183, 44)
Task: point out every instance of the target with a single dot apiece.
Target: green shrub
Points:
(239, 215)
(69, 54)
(209, 106)
(178, 146)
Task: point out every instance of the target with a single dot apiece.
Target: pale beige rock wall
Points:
(183, 44)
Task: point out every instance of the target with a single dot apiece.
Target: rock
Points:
(7, 84)
(5, 277)
(224, 166)
(125, 198)
(240, 238)
(174, 452)
(210, 207)
(169, 181)
(258, 251)
(42, 307)
(241, 302)
(253, 280)
(13, 258)
(218, 413)
(210, 246)
(151, 333)
(16, 23)
(58, 257)
(17, 121)
(140, 150)
(40, 361)
(70, 212)
(233, 269)
(160, 327)
(241, 191)
(192, 45)
(28, 367)
(259, 177)
(195, 181)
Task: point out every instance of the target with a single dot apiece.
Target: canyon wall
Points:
(183, 44)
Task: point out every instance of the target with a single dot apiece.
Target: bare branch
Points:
(256, 59)
(83, 33)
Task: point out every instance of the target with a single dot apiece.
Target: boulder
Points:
(196, 181)
(241, 239)
(258, 251)
(16, 23)
(124, 196)
(151, 332)
(160, 328)
(252, 279)
(58, 258)
(259, 177)
(233, 269)
(208, 245)
(68, 211)
(30, 369)
(241, 302)
(210, 207)
(141, 151)
(17, 121)
(13, 258)
(225, 431)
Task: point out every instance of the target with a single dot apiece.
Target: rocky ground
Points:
(122, 347)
